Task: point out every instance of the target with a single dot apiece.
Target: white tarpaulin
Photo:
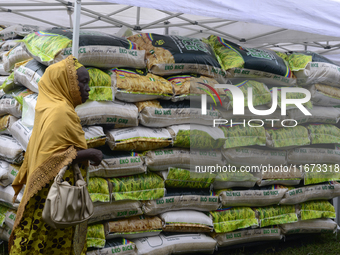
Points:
(313, 16)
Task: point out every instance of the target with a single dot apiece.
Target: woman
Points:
(57, 140)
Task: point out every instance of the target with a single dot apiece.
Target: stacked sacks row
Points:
(11, 152)
(131, 85)
(307, 151)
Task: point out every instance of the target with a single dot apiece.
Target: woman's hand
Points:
(94, 155)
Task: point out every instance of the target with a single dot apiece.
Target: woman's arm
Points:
(94, 155)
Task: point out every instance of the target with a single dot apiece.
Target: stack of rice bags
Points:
(11, 95)
(277, 185)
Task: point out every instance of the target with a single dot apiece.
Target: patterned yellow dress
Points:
(33, 236)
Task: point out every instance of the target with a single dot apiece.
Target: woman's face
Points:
(83, 79)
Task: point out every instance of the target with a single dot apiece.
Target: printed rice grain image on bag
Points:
(197, 127)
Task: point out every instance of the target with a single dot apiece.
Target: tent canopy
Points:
(276, 24)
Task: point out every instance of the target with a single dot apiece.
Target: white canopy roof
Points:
(277, 24)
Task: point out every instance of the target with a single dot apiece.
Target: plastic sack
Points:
(272, 120)
(9, 105)
(21, 133)
(178, 201)
(193, 85)
(114, 246)
(10, 150)
(183, 178)
(134, 85)
(197, 136)
(114, 113)
(138, 138)
(95, 236)
(29, 74)
(167, 243)
(115, 164)
(5, 123)
(290, 95)
(276, 214)
(261, 94)
(99, 189)
(230, 178)
(95, 48)
(230, 219)
(3, 212)
(167, 55)
(250, 63)
(158, 160)
(8, 173)
(10, 218)
(17, 30)
(309, 226)
(133, 227)
(248, 236)
(2, 78)
(8, 44)
(148, 186)
(316, 209)
(115, 209)
(100, 85)
(6, 197)
(325, 95)
(311, 155)
(94, 136)
(186, 221)
(15, 55)
(313, 192)
(320, 114)
(254, 157)
(3, 72)
(287, 137)
(310, 68)
(319, 173)
(264, 197)
(323, 134)
(28, 109)
(161, 113)
(5, 233)
(281, 172)
(239, 136)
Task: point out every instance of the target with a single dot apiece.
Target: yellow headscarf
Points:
(57, 133)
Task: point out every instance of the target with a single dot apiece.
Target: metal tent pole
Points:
(76, 25)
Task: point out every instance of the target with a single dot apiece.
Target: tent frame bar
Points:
(108, 15)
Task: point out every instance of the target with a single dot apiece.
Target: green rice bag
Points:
(261, 94)
(317, 209)
(323, 133)
(318, 173)
(95, 236)
(239, 136)
(46, 45)
(100, 85)
(237, 176)
(276, 214)
(286, 137)
(229, 219)
(9, 84)
(148, 186)
(182, 178)
(298, 61)
(292, 95)
(3, 211)
(197, 136)
(99, 190)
